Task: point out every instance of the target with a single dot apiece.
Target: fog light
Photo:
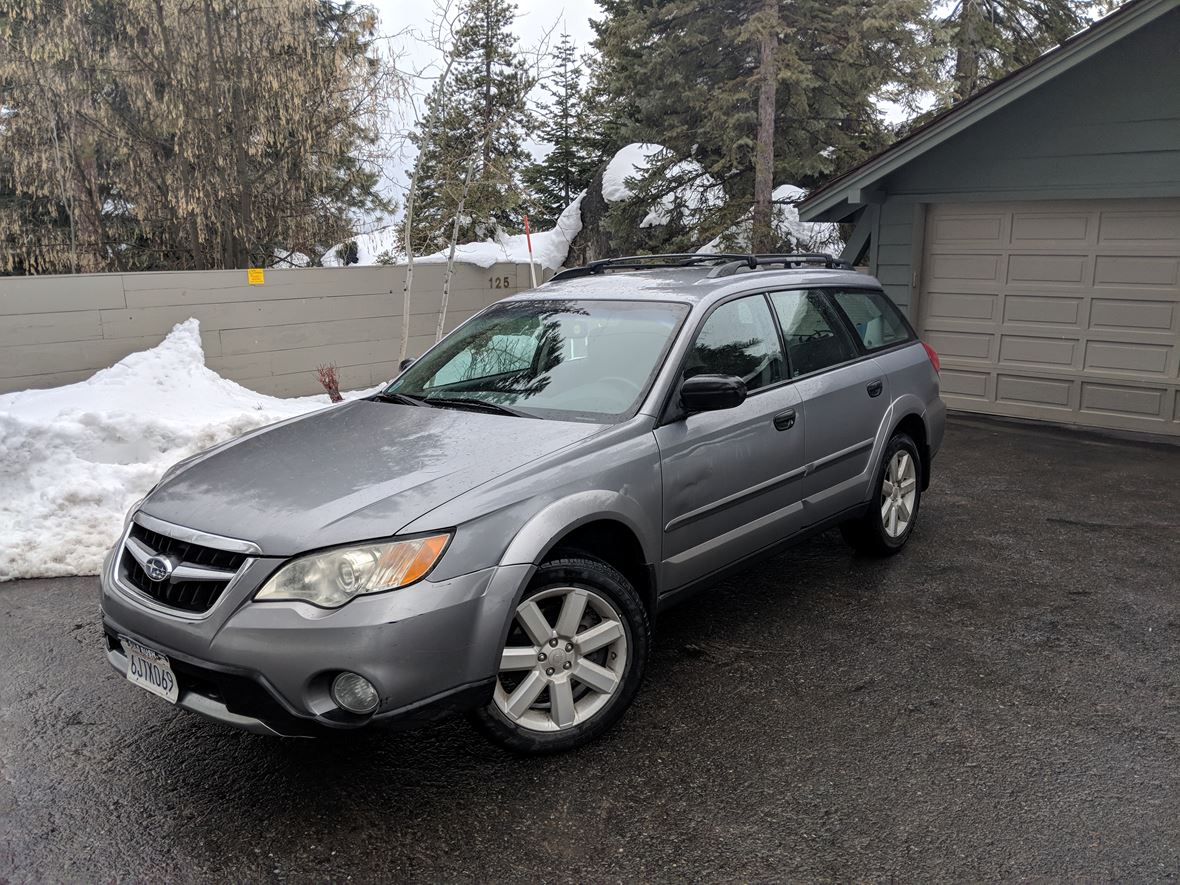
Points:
(354, 693)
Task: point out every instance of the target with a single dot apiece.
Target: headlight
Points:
(332, 578)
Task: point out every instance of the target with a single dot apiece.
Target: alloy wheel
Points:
(564, 660)
(899, 493)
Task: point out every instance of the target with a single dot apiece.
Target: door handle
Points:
(784, 420)
(875, 387)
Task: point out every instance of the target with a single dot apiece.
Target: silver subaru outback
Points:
(497, 530)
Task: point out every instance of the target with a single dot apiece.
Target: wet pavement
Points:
(1001, 700)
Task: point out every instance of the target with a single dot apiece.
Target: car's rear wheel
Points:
(889, 520)
(573, 659)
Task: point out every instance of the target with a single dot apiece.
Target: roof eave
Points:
(846, 194)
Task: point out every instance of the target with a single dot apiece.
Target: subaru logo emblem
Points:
(158, 568)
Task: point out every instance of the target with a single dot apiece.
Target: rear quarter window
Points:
(876, 321)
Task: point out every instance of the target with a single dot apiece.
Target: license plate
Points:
(149, 669)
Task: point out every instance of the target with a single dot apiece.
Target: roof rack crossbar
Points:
(787, 260)
(643, 262)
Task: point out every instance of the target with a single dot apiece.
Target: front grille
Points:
(190, 596)
(187, 552)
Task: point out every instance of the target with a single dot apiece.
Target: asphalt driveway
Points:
(1003, 699)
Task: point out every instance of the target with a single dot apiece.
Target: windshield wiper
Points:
(479, 405)
(384, 397)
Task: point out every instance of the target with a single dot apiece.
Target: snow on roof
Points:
(74, 459)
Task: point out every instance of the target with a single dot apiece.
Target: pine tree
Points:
(556, 180)
(988, 38)
(476, 119)
(690, 72)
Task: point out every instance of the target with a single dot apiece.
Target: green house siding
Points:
(1109, 127)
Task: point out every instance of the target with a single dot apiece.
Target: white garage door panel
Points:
(1065, 311)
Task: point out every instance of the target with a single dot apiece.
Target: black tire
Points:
(570, 568)
(867, 534)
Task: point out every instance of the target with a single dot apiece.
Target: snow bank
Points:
(73, 459)
(550, 247)
(369, 247)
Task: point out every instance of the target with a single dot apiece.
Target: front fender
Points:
(549, 525)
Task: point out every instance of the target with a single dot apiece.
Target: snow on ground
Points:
(74, 459)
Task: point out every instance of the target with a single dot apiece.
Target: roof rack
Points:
(787, 260)
(646, 262)
(728, 263)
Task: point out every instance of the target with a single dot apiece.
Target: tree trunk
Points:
(762, 237)
(446, 292)
(967, 50)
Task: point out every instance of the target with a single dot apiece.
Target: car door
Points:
(732, 479)
(844, 393)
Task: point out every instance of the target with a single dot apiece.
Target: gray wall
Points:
(61, 329)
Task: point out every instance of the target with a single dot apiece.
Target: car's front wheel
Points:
(890, 517)
(573, 660)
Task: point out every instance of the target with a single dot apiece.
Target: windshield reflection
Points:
(563, 359)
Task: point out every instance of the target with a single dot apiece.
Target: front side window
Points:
(876, 320)
(814, 337)
(566, 360)
(739, 339)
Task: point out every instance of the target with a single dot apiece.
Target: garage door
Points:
(1068, 311)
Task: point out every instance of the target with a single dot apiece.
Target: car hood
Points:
(355, 472)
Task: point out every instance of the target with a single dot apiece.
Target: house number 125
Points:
(499, 283)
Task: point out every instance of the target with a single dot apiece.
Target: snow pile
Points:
(369, 247)
(74, 459)
(807, 236)
(633, 161)
(550, 247)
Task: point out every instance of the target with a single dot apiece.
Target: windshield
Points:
(569, 360)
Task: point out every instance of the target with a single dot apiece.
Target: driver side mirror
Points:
(405, 364)
(711, 393)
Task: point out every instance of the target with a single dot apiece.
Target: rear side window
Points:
(739, 339)
(876, 320)
(814, 336)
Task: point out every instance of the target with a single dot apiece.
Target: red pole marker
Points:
(528, 236)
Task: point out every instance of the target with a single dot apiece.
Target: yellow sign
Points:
(255, 276)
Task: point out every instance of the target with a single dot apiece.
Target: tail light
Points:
(934, 361)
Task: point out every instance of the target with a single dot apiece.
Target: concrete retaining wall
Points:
(270, 337)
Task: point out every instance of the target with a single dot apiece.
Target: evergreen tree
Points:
(477, 120)
(988, 38)
(691, 74)
(566, 170)
(143, 134)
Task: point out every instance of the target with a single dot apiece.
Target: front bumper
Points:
(266, 667)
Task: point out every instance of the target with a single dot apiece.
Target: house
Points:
(1032, 232)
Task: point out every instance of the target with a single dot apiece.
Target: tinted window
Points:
(877, 321)
(815, 339)
(582, 360)
(739, 339)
